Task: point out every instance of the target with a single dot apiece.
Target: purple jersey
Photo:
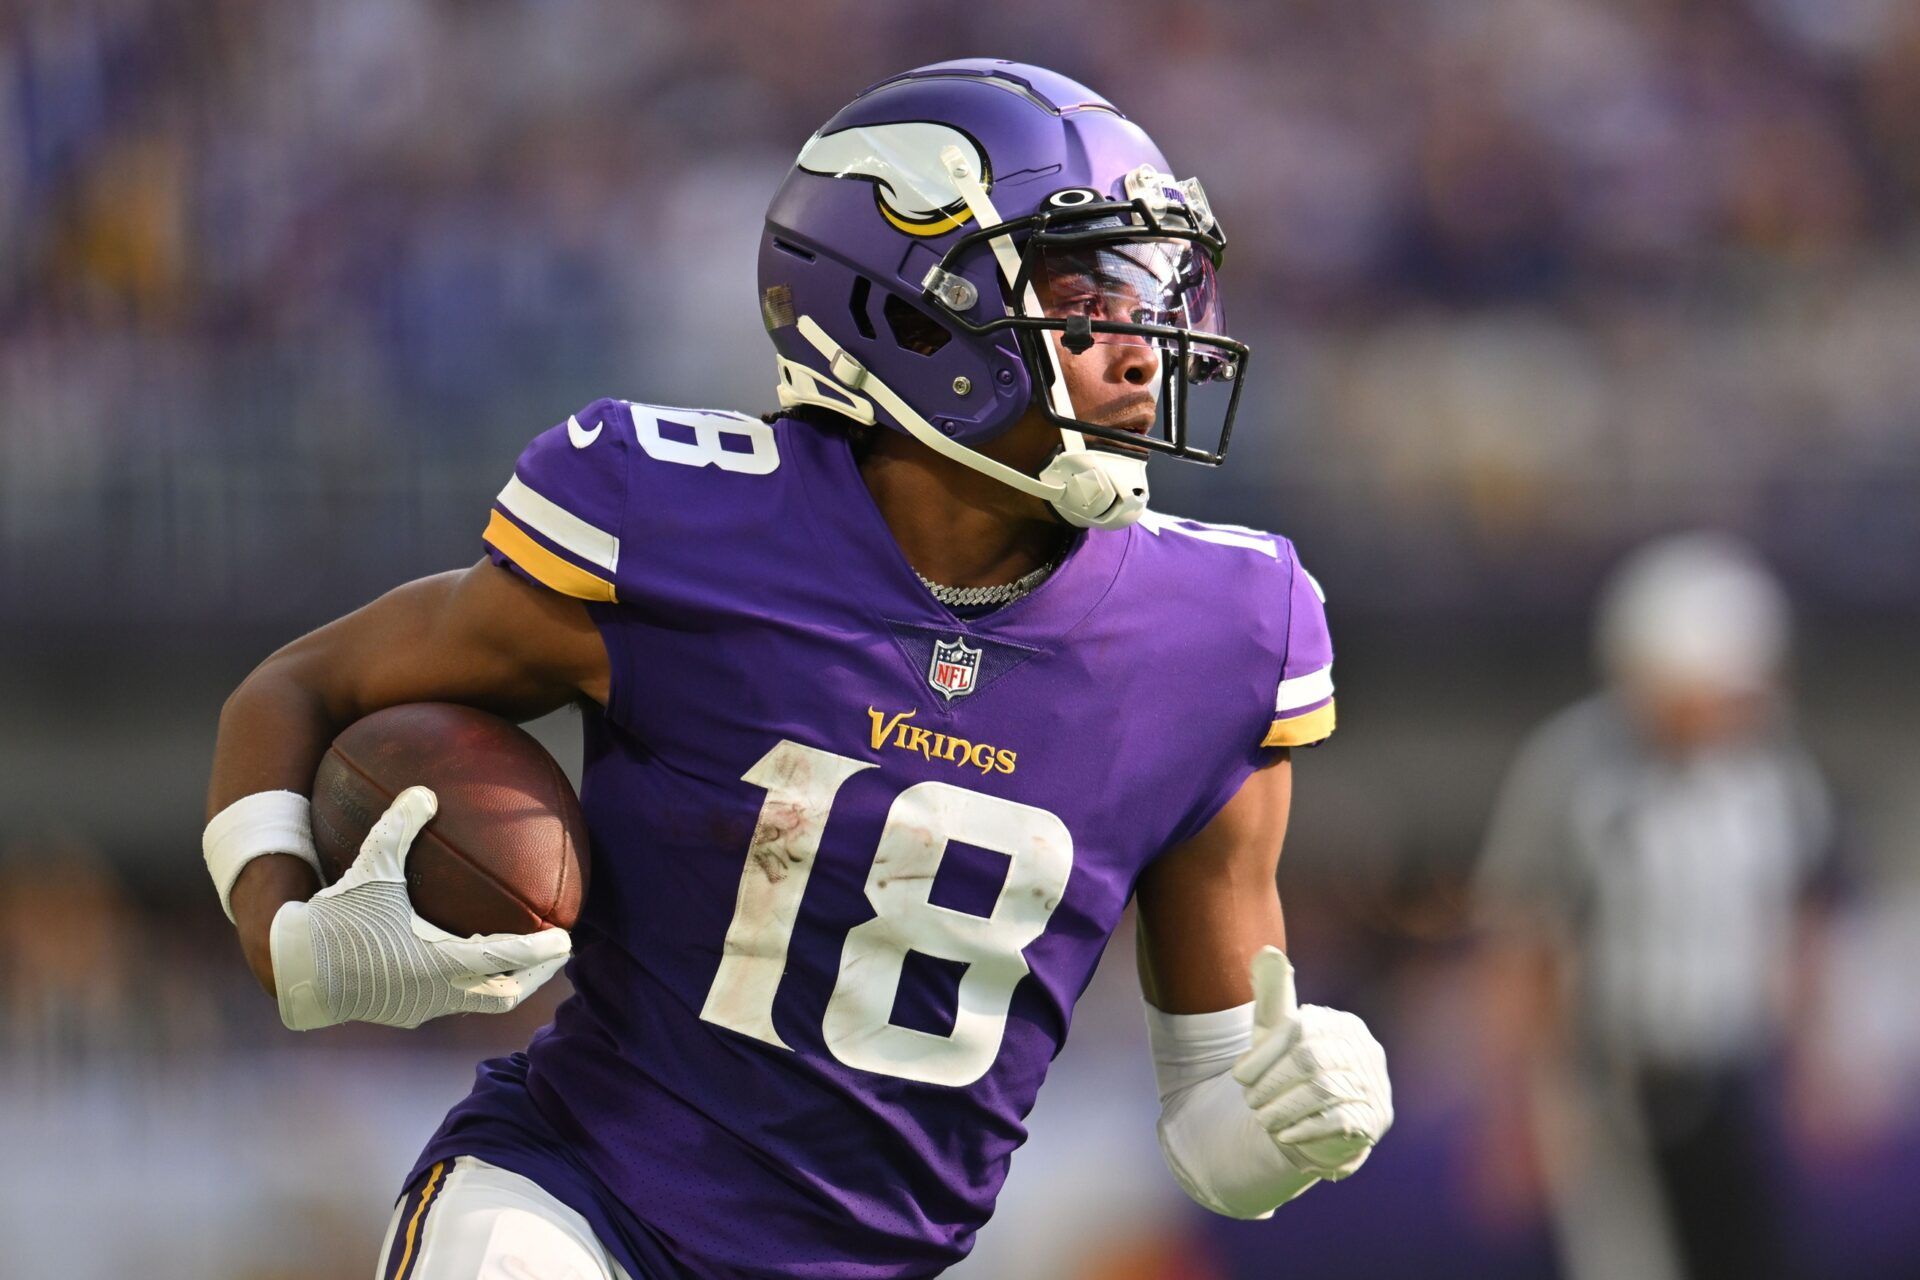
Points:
(854, 857)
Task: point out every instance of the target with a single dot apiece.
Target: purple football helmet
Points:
(955, 235)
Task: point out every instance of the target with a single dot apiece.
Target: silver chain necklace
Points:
(1002, 593)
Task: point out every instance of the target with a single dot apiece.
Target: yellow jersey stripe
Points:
(567, 578)
(419, 1212)
(1300, 731)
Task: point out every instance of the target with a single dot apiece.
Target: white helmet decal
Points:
(915, 191)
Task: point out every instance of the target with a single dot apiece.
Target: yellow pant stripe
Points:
(419, 1212)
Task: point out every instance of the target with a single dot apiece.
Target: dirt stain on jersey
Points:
(774, 849)
(779, 844)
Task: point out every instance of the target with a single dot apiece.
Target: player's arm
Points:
(480, 636)
(1260, 1097)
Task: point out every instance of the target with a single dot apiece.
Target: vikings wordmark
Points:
(894, 731)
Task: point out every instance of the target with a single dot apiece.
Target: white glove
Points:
(357, 951)
(1315, 1077)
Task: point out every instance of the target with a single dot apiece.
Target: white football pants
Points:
(470, 1220)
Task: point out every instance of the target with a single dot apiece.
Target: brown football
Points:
(507, 850)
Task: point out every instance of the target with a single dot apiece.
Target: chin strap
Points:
(1099, 490)
(1091, 489)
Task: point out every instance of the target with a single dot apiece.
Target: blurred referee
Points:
(1647, 877)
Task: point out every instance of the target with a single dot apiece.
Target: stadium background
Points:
(283, 289)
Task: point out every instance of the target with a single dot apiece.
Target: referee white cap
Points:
(1695, 608)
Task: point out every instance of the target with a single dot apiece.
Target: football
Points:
(507, 851)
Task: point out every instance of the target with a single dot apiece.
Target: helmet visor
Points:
(1159, 282)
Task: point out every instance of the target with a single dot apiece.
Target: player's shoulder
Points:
(1246, 589)
(648, 443)
(1233, 574)
(619, 473)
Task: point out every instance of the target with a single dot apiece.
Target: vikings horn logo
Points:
(902, 161)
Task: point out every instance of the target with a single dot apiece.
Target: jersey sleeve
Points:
(1303, 701)
(558, 519)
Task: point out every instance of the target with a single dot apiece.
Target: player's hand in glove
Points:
(357, 951)
(1315, 1077)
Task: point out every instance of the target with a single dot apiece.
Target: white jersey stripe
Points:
(559, 526)
(1304, 690)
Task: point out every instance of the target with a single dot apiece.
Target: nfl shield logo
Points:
(955, 664)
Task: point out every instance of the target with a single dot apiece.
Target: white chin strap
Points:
(1098, 490)
(1090, 488)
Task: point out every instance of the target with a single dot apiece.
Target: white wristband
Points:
(1212, 1141)
(264, 822)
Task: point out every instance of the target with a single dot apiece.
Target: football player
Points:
(892, 701)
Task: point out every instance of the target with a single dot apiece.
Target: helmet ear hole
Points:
(914, 330)
(857, 304)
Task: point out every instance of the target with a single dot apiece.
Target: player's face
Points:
(1116, 381)
(1163, 284)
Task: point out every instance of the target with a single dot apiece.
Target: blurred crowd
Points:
(1525, 281)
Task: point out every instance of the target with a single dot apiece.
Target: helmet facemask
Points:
(1130, 296)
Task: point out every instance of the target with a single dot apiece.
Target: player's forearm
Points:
(273, 732)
